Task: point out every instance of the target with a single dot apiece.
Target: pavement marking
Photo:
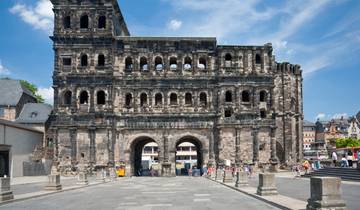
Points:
(128, 204)
(149, 192)
(201, 195)
(201, 200)
(158, 205)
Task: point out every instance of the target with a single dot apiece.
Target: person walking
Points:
(334, 158)
(349, 158)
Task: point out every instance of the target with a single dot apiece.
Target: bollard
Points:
(228, 177)
(5, 192)
(100, 176)
(241, 179)
(219, 175)
(82, 178)
(325, 194)
(266, 184)
(53, 183)
(113, 175)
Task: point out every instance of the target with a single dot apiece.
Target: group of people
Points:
(347, 160)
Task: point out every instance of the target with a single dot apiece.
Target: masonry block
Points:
(53, 183)
(5, 192)
(266, 184)
(219, 175)
(228, 177)
(241, 179)
(82, 178)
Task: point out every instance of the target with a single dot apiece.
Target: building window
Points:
(128, 100)
(102, 22)
(67, 98)
(228, 96)
(143, 64)
(228, 113)
(67, 22)
(66, 61)
(101, 60)
(84, 21)
(257, 59)
(101, 97)
(158, 99)
(173, 99)
(228, 59)
(245, 95)
(263, 96)
(84, 60)
(159, 64)
(173, 63)
(128, 64)
(263, 114)
(143, 100)
(84, 97)
(202, 63)
(187, 63)
(203, 99)
(188, 99)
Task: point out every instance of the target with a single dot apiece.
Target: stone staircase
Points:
(349, 174)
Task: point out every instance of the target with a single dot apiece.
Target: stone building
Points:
(309, 132)
(114, 93)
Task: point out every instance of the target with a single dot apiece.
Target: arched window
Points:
(263, 96)
(245, 95)
(84, 97)
(101, 60)
(228, 96)
(228, 59)
(143, 99)
(67, 98)
(128, 64)
(84, 21)
(173, 63)
(102, 22)
(227, 113)
(158, 99)
(67, 22)
(202, 63)
(100, 97)
(203, 99)
(257, 59)
(143, 64)
(128, 100)
(173, 99)
(188, 98)
(159, 63)
(84, 60)
(187, 63)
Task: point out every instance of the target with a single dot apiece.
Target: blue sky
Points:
(323, 36)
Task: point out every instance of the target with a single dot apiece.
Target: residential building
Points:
(309, 134)
(354, 128)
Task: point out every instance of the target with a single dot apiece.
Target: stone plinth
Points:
(266, 184)
(241, 179)
(219, 175)
(228, 177)
(166, 170)
(53, 183)
(113, 175)
(82, 178)
(100, 176)
(5, 192)
(325, 194)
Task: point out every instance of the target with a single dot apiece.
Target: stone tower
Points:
(114, 93)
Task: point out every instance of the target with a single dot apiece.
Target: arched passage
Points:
(140, 165)
(280, 152)
(188, 155)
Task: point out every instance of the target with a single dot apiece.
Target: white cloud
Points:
(340, 115)
(320, 116)
(174, 25)
(47, 94)
(3, 70)
(40, 17)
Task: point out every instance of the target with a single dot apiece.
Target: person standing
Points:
(334, 158)
(349, 158)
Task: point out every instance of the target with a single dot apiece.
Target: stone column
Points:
(112, 146)
(57, 98)
(53, 183)
(237, 148)
(56, 144)
(325, 194)
(219, 175)
(166, 165)
(92, 100)
(241, 179)
(273, 159)
(211, 151)
(255, 145)
(266, 184)
(82, 178)
(100, 175)
(92, 137)
(228, 178)
(73, 142)
(5, 192)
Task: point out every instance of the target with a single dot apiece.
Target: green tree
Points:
(347, 142)
(33, 89)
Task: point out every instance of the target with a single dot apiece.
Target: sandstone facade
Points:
(114, 93)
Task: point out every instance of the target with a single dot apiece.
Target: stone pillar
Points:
(56, 144)
(266, 184)
(237, 148)
(73, 142)
(53, 183)
(228, 177)
(100, 176)
(112, 173)
(273, 160)
(325, 194)
(5, 192)
(112, 145)
(241, 179)
(255, 145)
(82, 178)
(57, 98)
(92, 100)
(92, 137)
(211, 151)
(219, 175)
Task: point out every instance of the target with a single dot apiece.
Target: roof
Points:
(11, 92)
(19, 126)
(34, 113)
(308, 123)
